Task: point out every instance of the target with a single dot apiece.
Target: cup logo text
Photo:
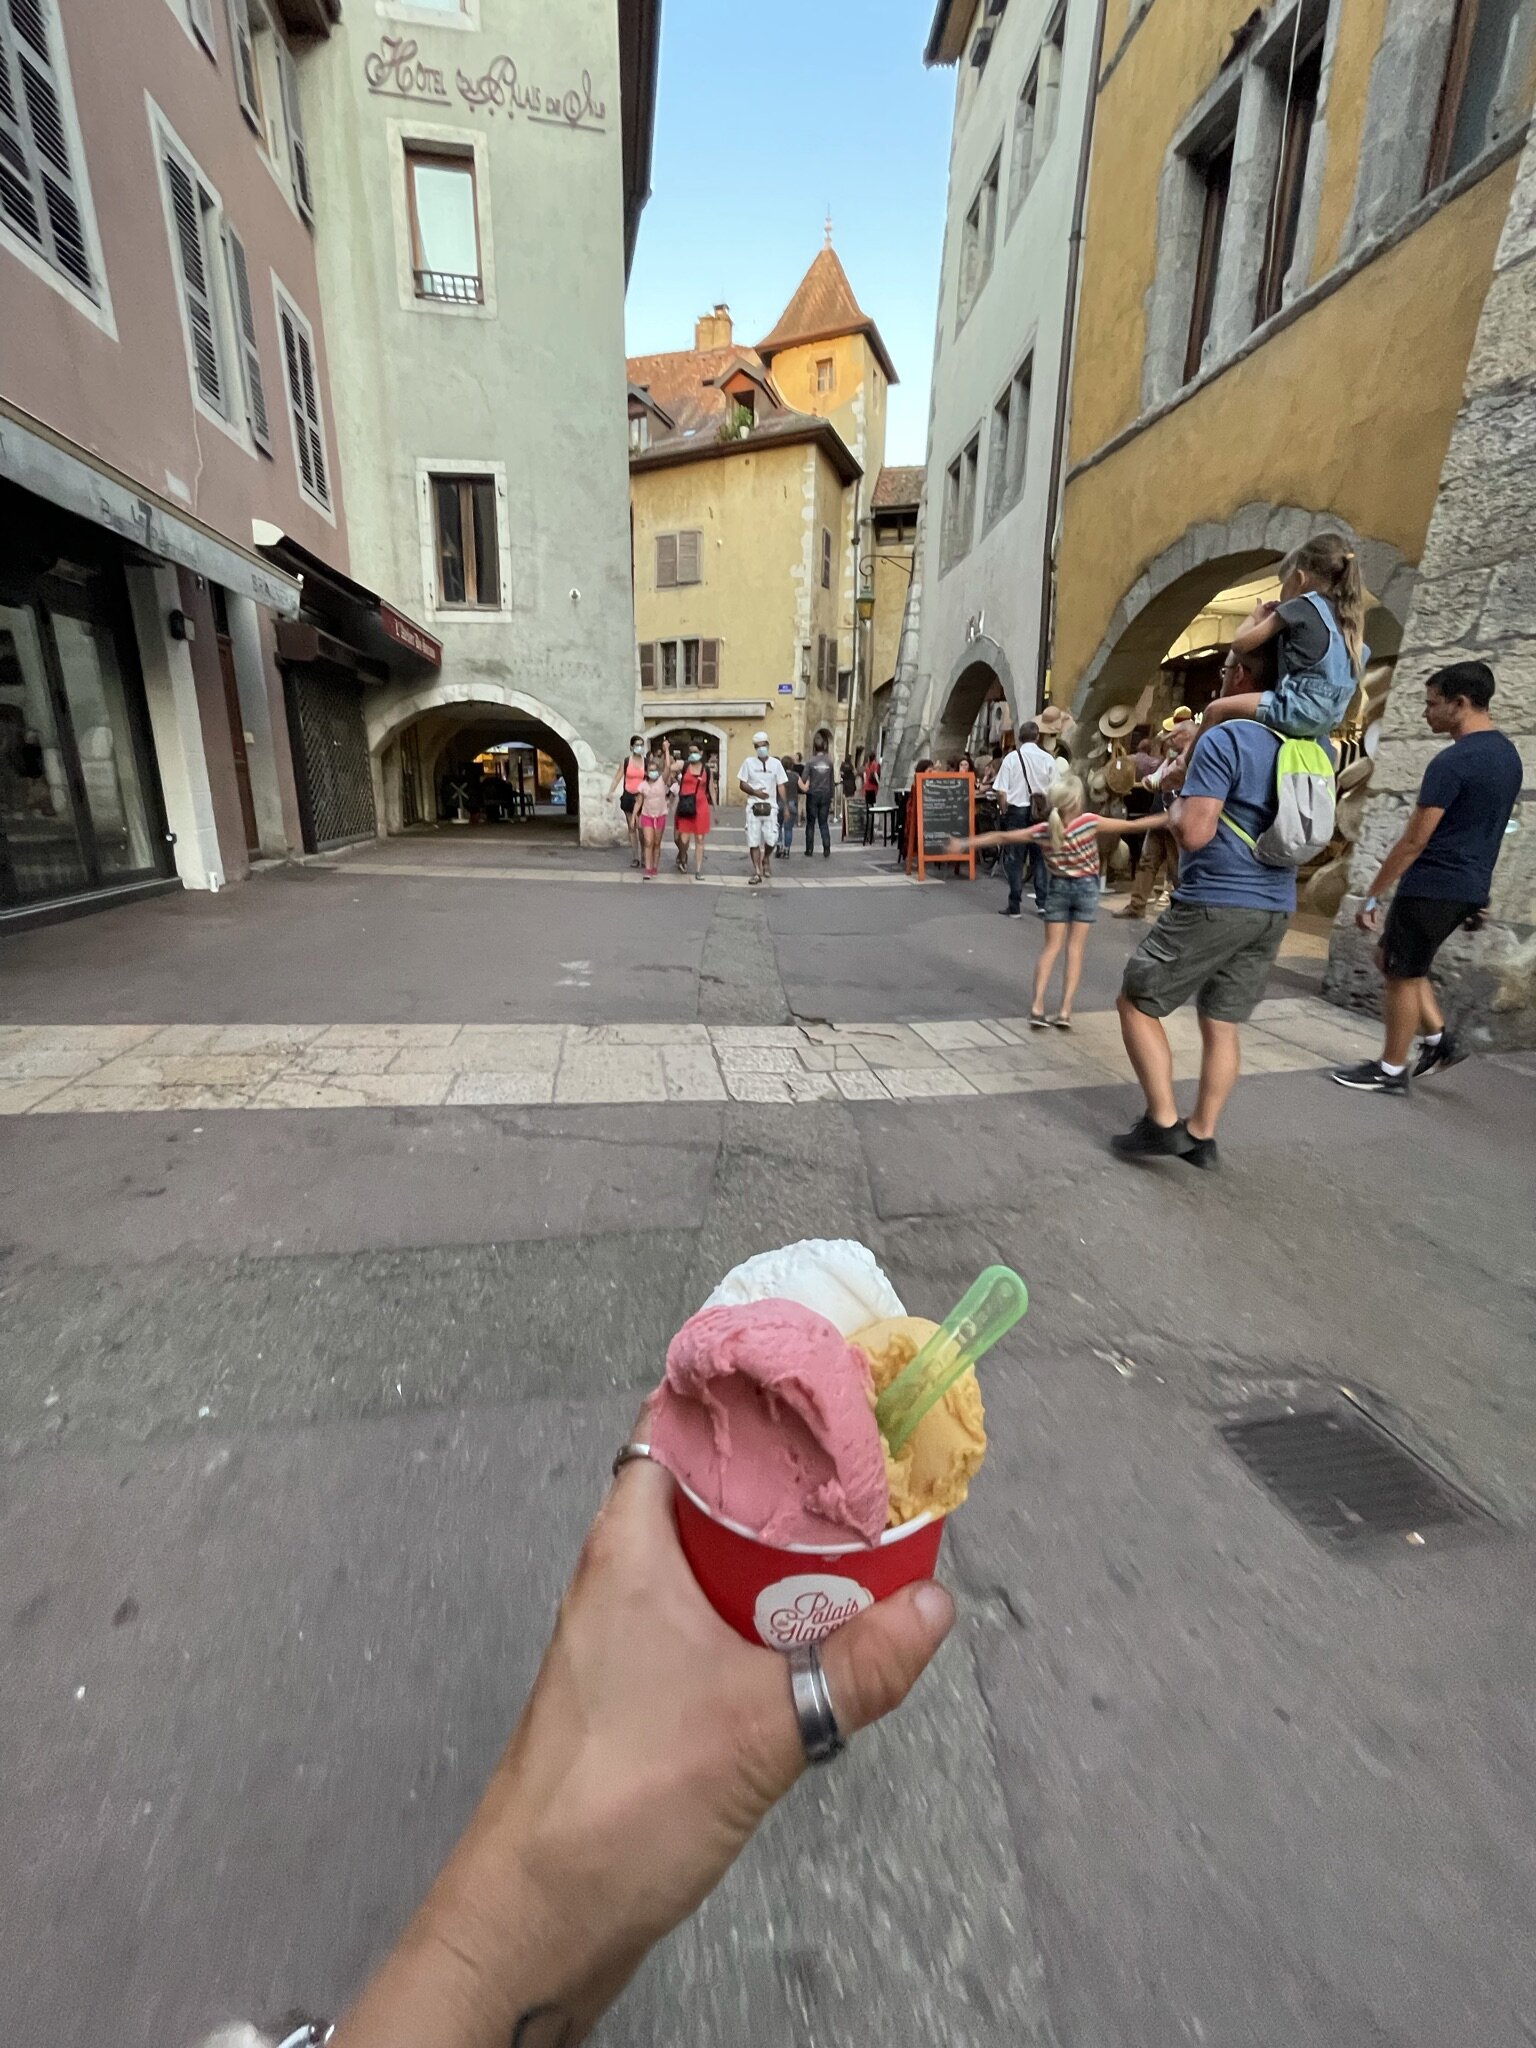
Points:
(804, 1609)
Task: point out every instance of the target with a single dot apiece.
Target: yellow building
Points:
(748, 498)
(1291, 229)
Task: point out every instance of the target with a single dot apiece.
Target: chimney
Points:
(713, 330)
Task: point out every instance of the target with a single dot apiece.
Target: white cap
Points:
(758, 738)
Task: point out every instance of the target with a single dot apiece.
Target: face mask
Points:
(762, 753)
(653, 775)
(694, 760)
(638, 752)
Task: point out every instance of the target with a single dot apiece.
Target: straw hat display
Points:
(1357, 772)
(1053, 722)
(1324, 892)
(1118, 721)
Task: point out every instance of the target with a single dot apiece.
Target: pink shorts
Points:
(658, 823)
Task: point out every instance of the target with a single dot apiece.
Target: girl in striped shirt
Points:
(1069, 839)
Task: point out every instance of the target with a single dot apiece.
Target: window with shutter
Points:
(247, 76)
(826, 558)
(668, 664)
(666, 561)
(200, 14)
(303, 387)
(298, 154)
(688, 558)
(187, 219)
(648, 664)
(40, 196)
(709, 665)
(250, 355)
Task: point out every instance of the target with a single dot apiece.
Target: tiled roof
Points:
(896, 489)
(686, 385)
(822, 307)
(685, 382)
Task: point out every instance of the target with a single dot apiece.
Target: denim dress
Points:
(1307, 703)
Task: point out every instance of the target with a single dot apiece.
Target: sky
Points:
(768, 115)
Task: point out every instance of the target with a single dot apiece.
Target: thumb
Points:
(873, 1662)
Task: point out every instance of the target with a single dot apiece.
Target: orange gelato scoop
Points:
(933, 1474)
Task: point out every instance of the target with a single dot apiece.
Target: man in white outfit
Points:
(762, 781)
(1026, 773)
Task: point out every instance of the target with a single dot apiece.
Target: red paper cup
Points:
(799, 1593)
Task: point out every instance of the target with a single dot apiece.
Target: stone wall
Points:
(1475, 597)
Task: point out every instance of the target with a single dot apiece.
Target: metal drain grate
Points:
(1345, 1478)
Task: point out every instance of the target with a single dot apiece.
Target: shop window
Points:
(468, 549)
(445, 224)
(1283, 220)
(1035, 118)
(42, 195)
(977, 239)
(678, 559)
(1215, 171)
(302, 377)
(1482, 35)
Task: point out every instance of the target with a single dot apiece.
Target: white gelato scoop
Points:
(835, 1276)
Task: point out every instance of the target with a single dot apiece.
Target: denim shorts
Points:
(1305, 706)
(1071, 899)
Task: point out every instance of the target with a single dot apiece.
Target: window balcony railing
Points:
(450, 286)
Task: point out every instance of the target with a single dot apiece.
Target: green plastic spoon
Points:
(988, 1312)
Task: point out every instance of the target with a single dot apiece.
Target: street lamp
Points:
(864, 603)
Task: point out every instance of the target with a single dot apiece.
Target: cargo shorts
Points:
(1213, 952)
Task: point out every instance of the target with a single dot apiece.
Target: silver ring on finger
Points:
(819, 1733)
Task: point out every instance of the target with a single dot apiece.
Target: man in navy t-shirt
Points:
(1445, 861)
(1216, 942)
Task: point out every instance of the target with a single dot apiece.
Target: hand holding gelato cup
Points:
(819, 1435)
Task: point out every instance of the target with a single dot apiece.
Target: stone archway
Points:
(445, 709)
(981, 665)
(1177, 584)
(722, 739)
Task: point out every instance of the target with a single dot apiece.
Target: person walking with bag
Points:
(693, 812)
(761, 782)
(1021, 788)
(820, 789)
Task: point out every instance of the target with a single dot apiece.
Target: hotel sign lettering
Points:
(396, 70)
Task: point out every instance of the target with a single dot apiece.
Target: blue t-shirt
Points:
(1236, 762)
(1476, 782)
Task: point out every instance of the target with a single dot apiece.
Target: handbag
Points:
(762, 810)
(688, 805)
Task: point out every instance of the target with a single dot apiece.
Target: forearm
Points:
(1396, 864)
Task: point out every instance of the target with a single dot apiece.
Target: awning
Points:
(50, 467)
(350, 612)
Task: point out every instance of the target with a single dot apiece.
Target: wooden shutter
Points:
(304, 405)
(196, 285)
(200, 12)
(709, 665)
(688, 558)
(247, 83)
(648, 664)
(38, 193)
(250, 355)
(666, 561)
(293, 120)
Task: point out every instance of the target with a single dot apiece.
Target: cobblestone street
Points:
(333, 1329)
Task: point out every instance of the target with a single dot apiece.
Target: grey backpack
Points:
(1304, 808)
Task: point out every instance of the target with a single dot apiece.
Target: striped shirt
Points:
(1078, 858)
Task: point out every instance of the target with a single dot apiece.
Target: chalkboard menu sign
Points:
(945, 811)
(854, 812)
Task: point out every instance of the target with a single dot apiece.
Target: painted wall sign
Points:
(397, 71)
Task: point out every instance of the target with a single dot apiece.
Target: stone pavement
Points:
(53, 1070)
(303, 1414)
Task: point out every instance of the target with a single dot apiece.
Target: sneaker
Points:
(1037, 1022)
(1009, 911)
(1447, 1051)
(1135, 910)
(1372, 1076)
(1146, 1139)
(1202, 1153)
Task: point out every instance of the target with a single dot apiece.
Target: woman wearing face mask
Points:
(693, 814)
(631, 772)
(652, 814)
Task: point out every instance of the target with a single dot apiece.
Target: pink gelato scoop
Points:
(765, 1414)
